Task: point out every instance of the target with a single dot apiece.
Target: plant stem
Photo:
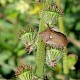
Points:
(41, 52)
(65, 63)
(60, 20)
(40, 55)
(74, 41)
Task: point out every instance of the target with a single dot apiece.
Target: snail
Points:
(54, 38)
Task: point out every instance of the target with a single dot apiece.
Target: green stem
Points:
(60, 20)
(65, 63)
(40, 55)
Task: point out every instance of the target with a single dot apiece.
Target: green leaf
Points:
(21, 52)
(6, 69)
(12, 61)
(6, 25)
(77, 26)
(5, 55)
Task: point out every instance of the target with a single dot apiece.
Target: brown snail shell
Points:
(54, 38)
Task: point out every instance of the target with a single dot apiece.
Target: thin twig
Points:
(74, 41)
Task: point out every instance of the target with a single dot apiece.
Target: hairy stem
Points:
(40, 55)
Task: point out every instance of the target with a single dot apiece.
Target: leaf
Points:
(5, 55)
(12, 61)
(6, 25)
(21, 52)
(6, 69)
(4, 36)
(77, 26)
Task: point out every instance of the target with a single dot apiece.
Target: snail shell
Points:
(54, 38)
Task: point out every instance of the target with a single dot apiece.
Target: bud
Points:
(24, 72)
(72, 59)
(53, 56)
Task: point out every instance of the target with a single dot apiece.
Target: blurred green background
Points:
(18, 14)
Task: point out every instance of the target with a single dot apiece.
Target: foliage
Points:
(16, 15)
